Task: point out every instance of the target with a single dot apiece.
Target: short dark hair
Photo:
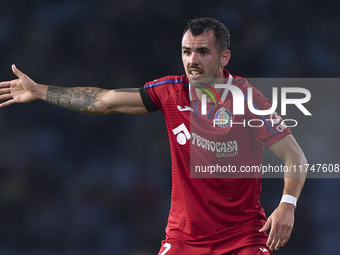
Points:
(198, 26)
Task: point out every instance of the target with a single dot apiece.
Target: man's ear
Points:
(225, 57)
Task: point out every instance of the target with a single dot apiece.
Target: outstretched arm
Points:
(281, 221)
(84, 99)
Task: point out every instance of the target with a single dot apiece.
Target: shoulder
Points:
(160, 90)
(242, 83)
(245, 86)
(168, 81)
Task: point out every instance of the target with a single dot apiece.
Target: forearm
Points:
(83, 99)
(294, 180)
(93, 100)
(290, 152)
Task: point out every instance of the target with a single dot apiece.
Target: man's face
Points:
(201, 57)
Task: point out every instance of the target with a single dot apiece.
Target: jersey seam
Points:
(174, 92)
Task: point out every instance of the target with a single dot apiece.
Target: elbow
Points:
(108, 110)
(101, 108)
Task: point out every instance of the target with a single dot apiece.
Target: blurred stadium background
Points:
(73, 183)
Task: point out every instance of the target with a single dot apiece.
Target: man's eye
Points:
(186, 52)
(204, 53)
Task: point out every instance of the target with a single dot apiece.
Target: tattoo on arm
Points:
(77, 99)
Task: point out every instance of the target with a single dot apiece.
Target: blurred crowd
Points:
(73, 183)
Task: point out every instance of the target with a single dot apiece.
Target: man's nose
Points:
(194, 58)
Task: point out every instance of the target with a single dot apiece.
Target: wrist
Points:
(40, 91)
(289, 199)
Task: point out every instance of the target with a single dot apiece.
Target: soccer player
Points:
(207, 215)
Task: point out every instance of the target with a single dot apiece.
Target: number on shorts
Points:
(167, 248)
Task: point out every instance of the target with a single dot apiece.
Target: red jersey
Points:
(209, 209)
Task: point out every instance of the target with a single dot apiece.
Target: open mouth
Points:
(195, 73)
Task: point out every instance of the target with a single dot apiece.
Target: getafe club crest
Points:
(223, 118)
